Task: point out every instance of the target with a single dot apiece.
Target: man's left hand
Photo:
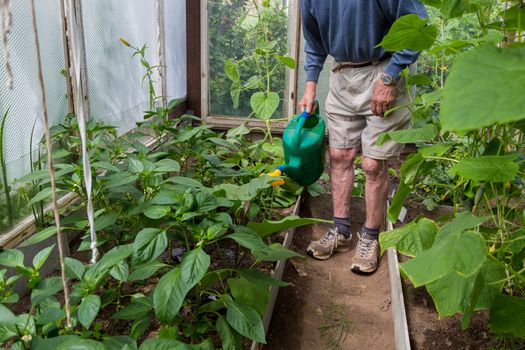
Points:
(383, 98)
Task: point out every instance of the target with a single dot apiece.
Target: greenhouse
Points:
(262, 174)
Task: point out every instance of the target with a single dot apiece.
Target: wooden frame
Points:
(198, 68)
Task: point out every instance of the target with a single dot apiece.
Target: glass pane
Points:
(250, 34)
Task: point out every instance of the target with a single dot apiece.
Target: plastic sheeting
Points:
(23, 101)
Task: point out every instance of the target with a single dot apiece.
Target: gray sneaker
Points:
(331, 242)
(366, 256)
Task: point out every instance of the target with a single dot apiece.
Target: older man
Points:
(364, 84)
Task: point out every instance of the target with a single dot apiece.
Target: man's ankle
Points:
(343, 226)
(370, 233)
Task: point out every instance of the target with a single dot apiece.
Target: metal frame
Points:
(225, 122)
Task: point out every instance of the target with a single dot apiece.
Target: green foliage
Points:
(470, 146)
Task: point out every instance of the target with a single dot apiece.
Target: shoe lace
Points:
(330, 237)
(365, 247)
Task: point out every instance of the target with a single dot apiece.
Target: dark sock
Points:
(343, 225)
(369, 233)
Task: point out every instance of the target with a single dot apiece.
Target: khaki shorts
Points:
(350, 121)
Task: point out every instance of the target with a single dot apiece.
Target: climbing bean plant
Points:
(469, 129)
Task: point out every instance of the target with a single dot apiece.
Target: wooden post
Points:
(193, 56)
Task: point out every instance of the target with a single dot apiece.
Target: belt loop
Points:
(337, 68)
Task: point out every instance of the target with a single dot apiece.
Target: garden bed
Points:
(327, 306)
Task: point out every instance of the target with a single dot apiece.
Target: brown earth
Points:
(327, 306)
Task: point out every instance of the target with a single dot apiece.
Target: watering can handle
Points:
(296, 140)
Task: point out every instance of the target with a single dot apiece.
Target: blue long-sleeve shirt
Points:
(348, 30)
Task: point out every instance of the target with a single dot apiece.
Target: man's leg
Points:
(338, 237)
(342, 179)
(376, 191)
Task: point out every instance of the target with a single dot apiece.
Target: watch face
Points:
(387, 79)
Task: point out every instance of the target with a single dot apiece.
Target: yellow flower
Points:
(124, 41)
(492, 249)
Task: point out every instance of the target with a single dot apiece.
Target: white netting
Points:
(23, 101)
(175, 42)
(114, 77)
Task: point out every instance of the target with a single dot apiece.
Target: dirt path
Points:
(327, 306)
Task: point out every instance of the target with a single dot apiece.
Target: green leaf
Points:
(501, 315)
(120, 272)
(411, 239)
(169, 294)
(267, 227)
(487, 168)
(235, 94)
(231, 70)
(145, 271)
(264, 105)
(50, 315)
(248, 238)
(45, 288)
(246, 293)
(426, 133)
(110, 259)
(167, 165)
(12, 258)
(119, 342)
(484, 87)
(135, 165)
(105, 221)
(41, 257)
(438, 150)
(40, 196)
(401, 194)
(463, 221)
(409, 32)
(185, 181)
(259, 277)
(452, 292)
(418, 79)
(171, 344)
(149, 244)
(157, 211)
(462, 253)
(245, 320)
(120, 179)
(74, 268)
(275, 252)
(88, 310)
(104, 165)
(65, 342)
(230, 340)
(166, 197)
(288, 61)
(134, 311)
(194, 266)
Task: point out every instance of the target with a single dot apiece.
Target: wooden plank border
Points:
(399, 315)
(278, 274)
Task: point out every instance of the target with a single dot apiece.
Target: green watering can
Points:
(304, 149)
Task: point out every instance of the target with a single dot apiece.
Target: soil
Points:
(427, 331)
(327, 306)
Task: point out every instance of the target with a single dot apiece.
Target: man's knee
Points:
(343, 156)
(374, 168)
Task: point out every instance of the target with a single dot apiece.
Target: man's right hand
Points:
(309, 97)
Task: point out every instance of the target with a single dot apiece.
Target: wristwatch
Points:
(388, 80)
